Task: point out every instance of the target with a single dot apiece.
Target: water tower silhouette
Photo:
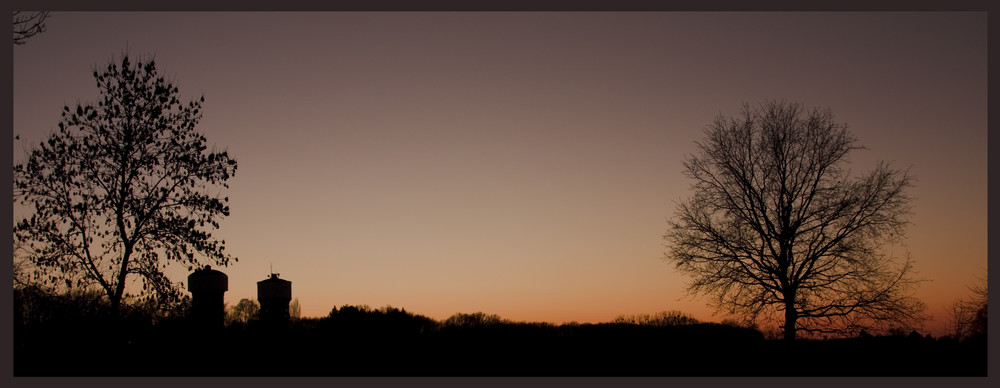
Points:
(274, 295)
(208, 288)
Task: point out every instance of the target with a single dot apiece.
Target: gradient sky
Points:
(525, 164)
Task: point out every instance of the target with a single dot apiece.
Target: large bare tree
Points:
(123, 188)
(778, 225)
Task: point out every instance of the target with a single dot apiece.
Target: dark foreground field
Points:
(414, 347)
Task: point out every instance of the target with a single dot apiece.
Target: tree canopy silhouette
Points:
(777, 224)
(123, 188)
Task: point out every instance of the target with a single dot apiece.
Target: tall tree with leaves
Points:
(778, 226)
(124, 188)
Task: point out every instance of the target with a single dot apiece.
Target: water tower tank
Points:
(208, 288)
(274, 295)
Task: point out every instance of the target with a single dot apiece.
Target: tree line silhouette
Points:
(79, 334)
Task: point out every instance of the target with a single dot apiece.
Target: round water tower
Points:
(274, 294)
(208, 288)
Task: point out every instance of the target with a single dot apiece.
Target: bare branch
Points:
(28, 24)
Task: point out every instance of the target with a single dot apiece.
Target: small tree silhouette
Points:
(243, 312)
(969, 315)
(295, 310)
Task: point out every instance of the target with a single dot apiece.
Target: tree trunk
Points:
(791, 315)
(116, 299)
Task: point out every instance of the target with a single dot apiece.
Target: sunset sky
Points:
(525, 164)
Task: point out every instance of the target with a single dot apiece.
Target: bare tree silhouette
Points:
(28, 24)
(295, 310)
(243, 312)
(778, 225)
(123, 189)
(969, 315)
